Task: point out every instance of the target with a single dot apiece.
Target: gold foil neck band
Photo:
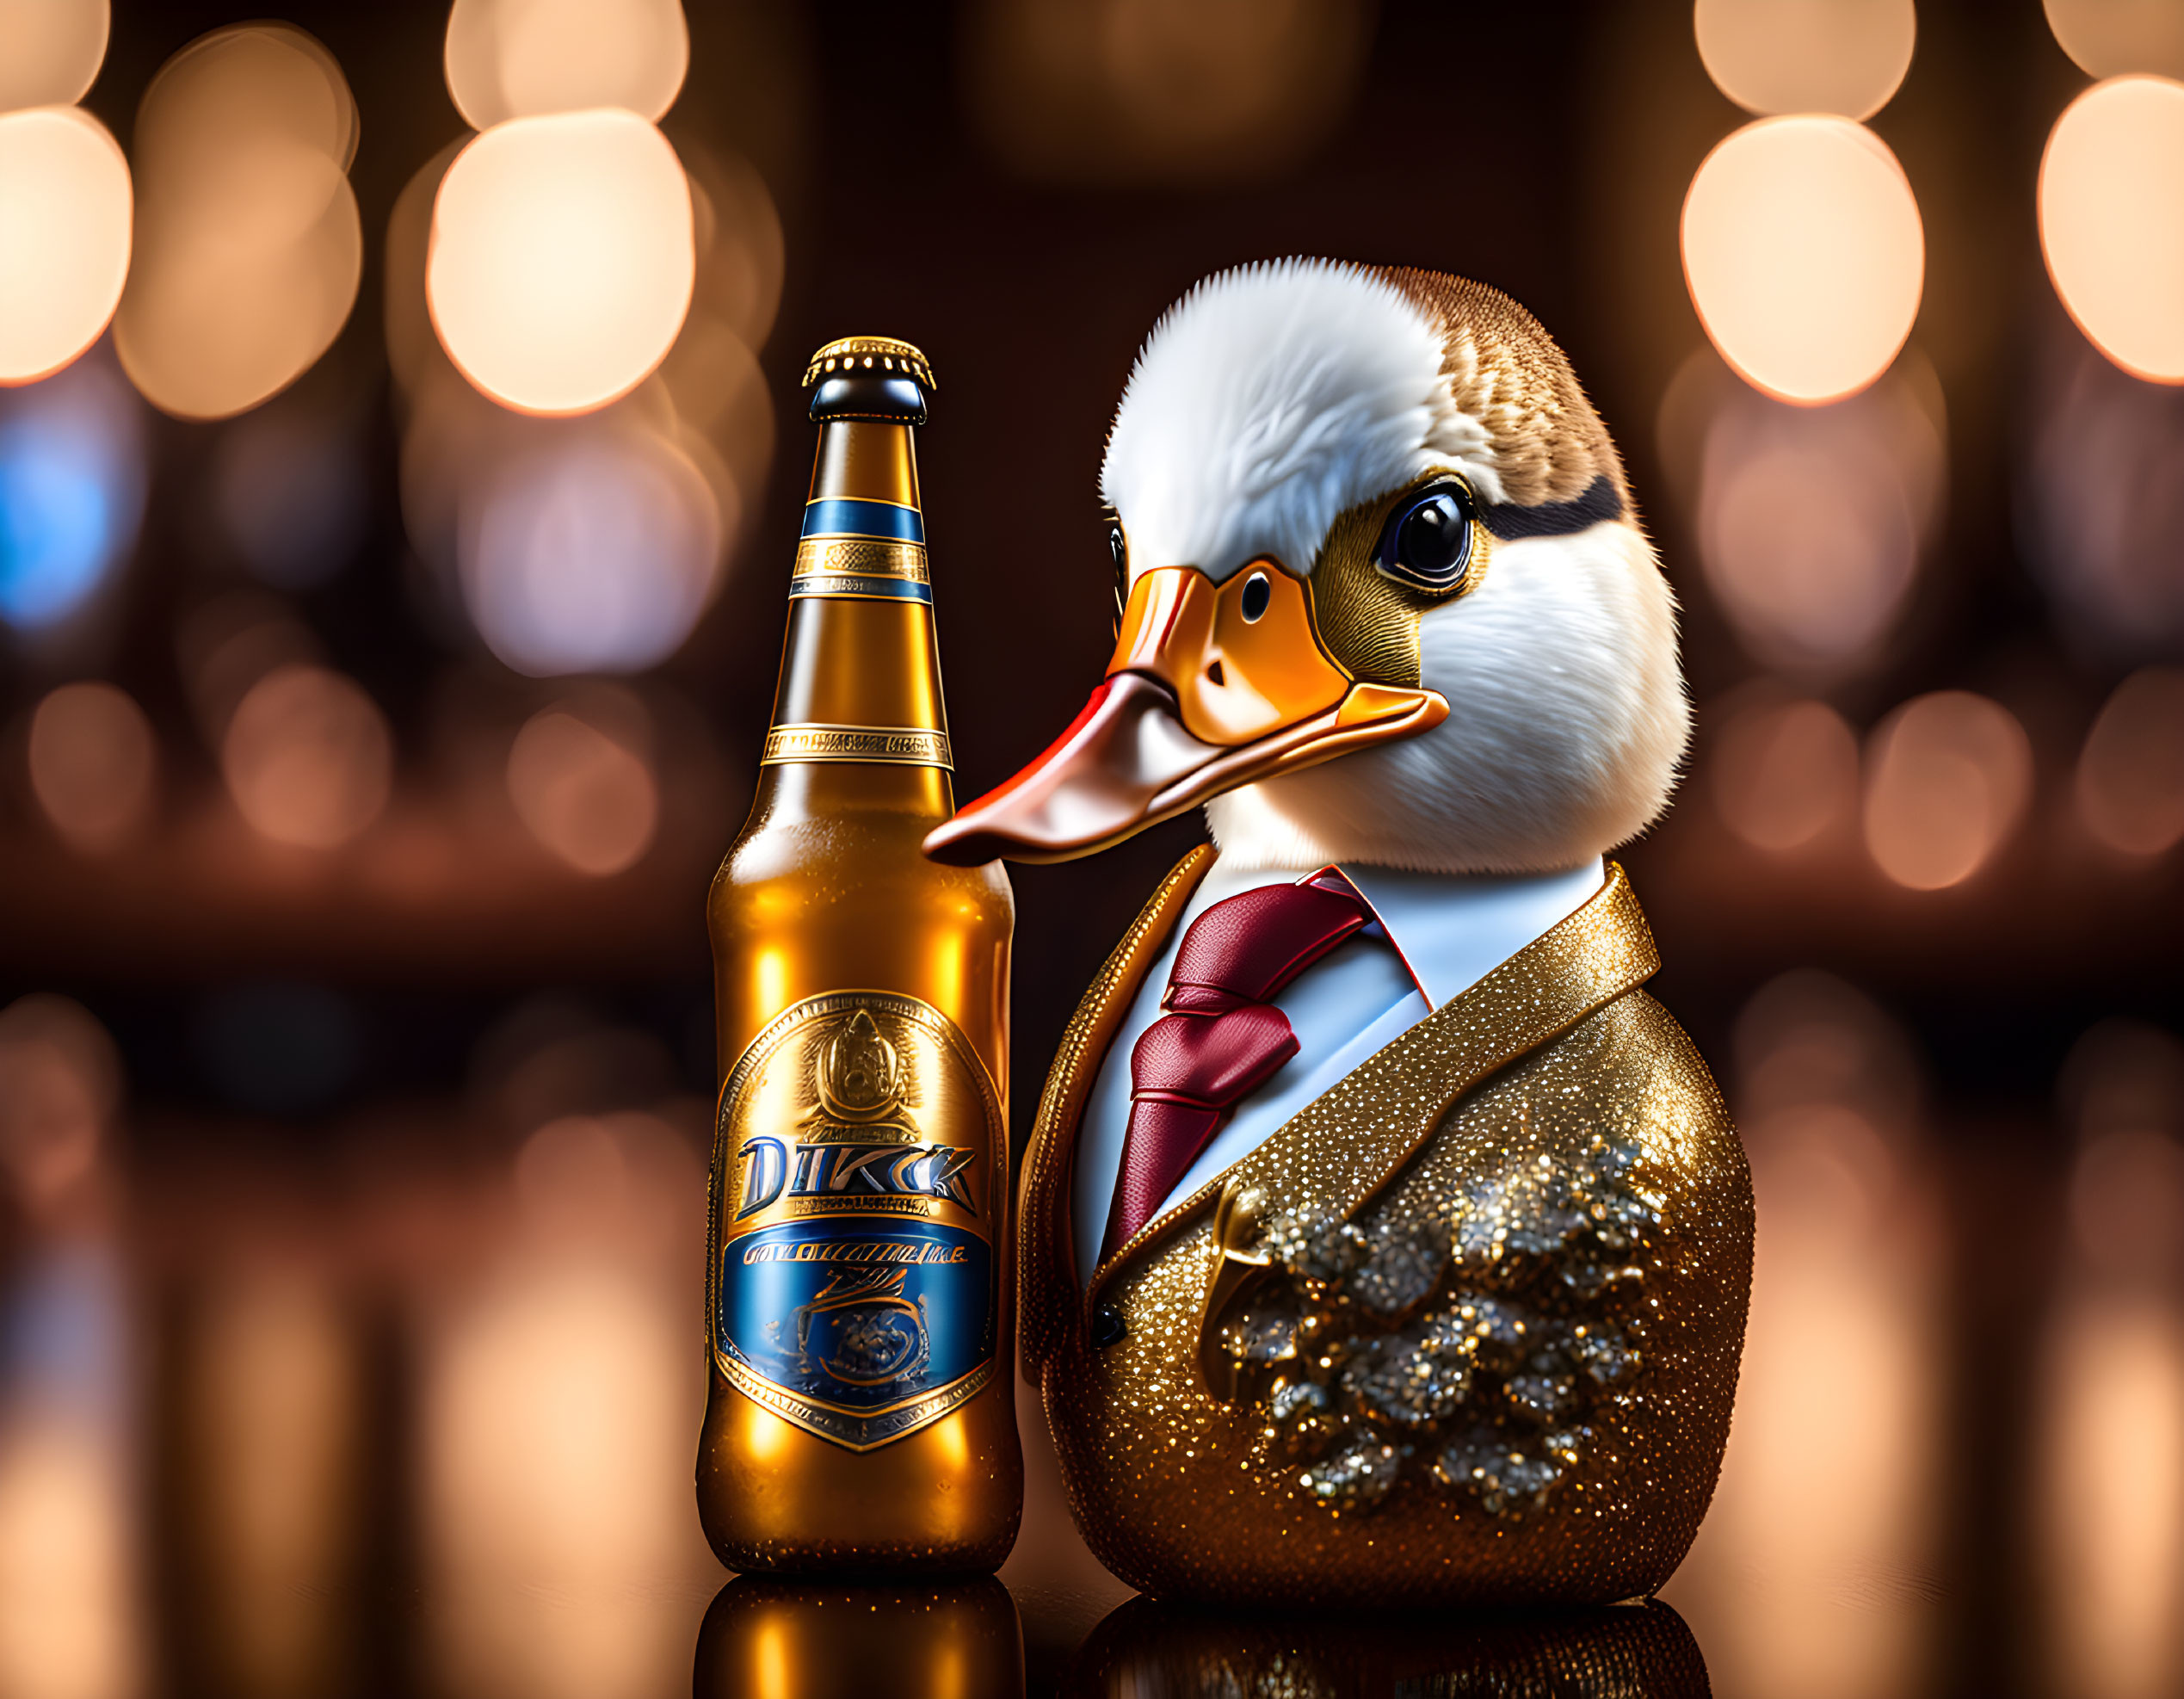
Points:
(895, 745)
(856, 558)
(869, 356)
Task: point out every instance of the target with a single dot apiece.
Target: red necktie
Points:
(1222, 1039)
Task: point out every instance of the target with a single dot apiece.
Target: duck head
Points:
(1381, 594)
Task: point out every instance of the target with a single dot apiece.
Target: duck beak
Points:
(1211, 687)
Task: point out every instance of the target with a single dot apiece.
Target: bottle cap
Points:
(869, 378)
(869, 357)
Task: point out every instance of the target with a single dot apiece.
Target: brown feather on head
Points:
(1504, 369)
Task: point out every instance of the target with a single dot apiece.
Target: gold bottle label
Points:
(861, 569)
(854, 1284)
(894, 745)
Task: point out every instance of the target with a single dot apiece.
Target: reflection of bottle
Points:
(1644, 1650)
(769, 1639)
(861, 1411)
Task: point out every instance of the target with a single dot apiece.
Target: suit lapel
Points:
(1047, 1257)
(1344, 1145)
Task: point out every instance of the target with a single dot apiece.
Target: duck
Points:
(1381, 1239)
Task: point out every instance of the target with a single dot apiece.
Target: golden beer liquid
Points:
(824, 896)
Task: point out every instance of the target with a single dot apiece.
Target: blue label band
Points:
(837, 516)
(850, 584)
(859, 1329)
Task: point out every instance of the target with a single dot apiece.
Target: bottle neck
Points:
(858, 717)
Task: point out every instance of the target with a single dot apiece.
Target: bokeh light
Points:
(73, 479)
(2131, 773)
(55, 48)
(65, 224)
(555, 1434)
(2112, 220)
(724, 411)
(547, 1423)
(2109, 38)
(711, 373)
(2110, 1436)
(1148, 91)
(69, 1620)
(2121, 1094)
(273, 1399)
(68, 1628)
(587, 796)
(1947, 779)
(92, 761)
(1806, 563)
(1811, 520)
(413, 350)
(1806, 1577)
(741, 250)
(248, 90)
(593, 543)
(307, 758)
(60, 1083)
(740, 260)
(521, 59)
(2114, 1466)
(1840, 56)
(227, 643)
(1783, 773)
(593, 552)
(1806, 258)
(2103, 511)
(248, 248)
(562, 259)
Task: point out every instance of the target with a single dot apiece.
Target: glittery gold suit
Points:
(1464, 1330)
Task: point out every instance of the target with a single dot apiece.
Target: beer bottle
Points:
(862, 1412)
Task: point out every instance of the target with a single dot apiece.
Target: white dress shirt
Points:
(1433, 936)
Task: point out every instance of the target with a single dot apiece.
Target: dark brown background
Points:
(1543, 148)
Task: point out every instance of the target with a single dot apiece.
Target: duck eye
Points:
(1118, 548)
(1258, 595)
(1427, 542)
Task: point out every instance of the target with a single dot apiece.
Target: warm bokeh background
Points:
(366, 745)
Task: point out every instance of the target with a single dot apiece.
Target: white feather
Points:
(1265, 402)
(1567, 720)
(1269, 400)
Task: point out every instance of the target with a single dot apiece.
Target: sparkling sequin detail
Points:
(1529, 1330)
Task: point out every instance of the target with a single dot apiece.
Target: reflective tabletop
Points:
(414, 1413)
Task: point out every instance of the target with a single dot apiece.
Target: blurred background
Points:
(400, 452)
